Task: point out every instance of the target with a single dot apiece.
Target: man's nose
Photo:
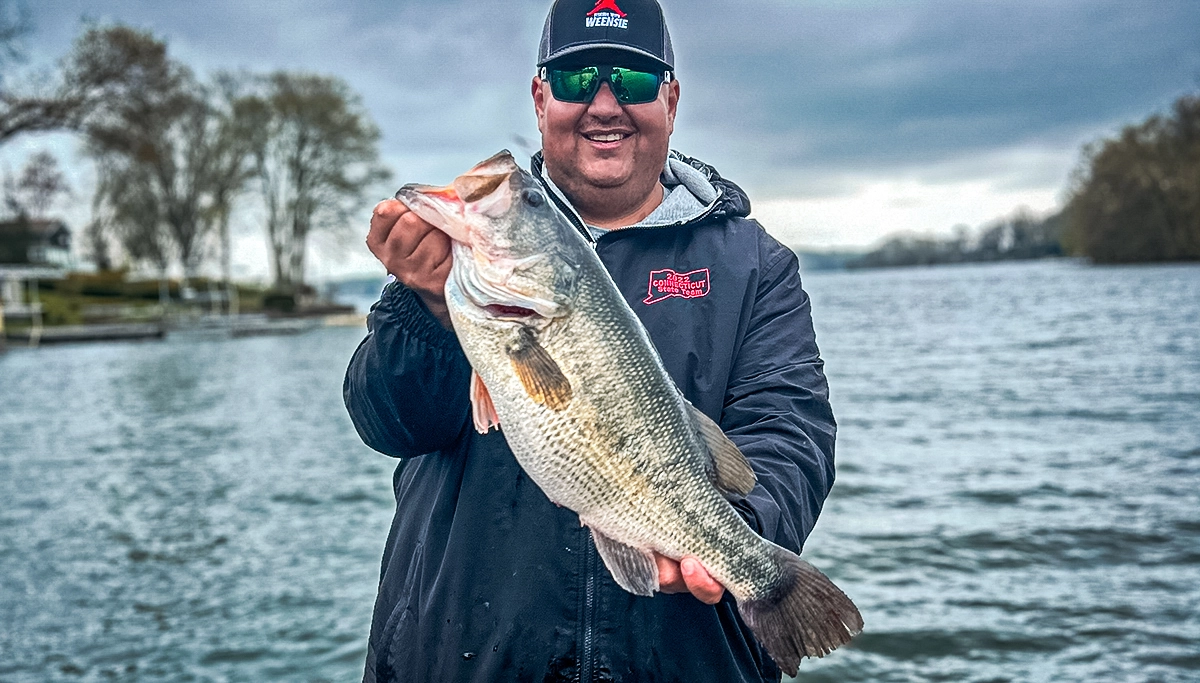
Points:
(605, 103)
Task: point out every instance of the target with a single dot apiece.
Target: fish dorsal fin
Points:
(727, 467)
(633, 569)
(483, 411)
(543, 380)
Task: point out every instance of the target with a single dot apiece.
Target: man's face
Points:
(602, 151)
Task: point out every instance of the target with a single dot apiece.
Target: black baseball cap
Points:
(633, 26)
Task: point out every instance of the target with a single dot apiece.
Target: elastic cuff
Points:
(402, 307)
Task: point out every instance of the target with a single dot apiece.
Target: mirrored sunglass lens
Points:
(576, 85)
(634, 87)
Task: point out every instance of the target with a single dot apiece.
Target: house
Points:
(24, 241)
(30, 250)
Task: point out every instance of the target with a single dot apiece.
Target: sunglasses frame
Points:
(605, 75)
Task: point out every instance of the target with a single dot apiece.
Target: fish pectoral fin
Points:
(483, 411)
(728, 468)
(543, 380)
(634, 570)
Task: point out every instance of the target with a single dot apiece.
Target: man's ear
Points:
(672, 104)
(539, 92)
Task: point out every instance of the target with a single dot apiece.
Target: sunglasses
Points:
(629, 86)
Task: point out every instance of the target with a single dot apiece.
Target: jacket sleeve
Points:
(777, 408)
(407, 387)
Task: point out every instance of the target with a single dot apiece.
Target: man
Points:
(482, 577)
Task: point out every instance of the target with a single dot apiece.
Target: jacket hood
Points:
(727, 199)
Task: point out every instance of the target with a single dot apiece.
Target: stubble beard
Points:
(598, 203)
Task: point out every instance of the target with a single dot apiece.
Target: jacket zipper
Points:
(586, 660)
(708, 211)
(589, 612)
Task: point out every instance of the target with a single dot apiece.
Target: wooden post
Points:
(8, 285)
(35, 310)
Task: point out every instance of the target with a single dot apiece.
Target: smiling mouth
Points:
(606, 137)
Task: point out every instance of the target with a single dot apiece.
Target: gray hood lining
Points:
(689, 195)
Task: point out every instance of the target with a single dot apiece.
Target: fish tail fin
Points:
(803, 615)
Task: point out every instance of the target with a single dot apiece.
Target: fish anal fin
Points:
(633, 569)
(728, 468)
(543, 380)
(483, 411)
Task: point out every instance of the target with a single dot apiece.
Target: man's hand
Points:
(417, 253)
(688, 576)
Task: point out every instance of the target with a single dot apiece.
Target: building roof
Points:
(38, 228)
(25, 241)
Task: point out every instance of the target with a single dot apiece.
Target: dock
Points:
(208, 327)
(69, 334)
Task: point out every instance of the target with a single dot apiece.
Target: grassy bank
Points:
(114, 297)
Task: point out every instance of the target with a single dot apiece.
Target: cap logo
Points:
(606, 14)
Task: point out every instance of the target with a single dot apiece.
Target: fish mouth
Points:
(462, 207)
(490, 294)
(441, 207)
(510, 312)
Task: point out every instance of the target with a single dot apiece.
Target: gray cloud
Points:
(866, 86)
(786, 97)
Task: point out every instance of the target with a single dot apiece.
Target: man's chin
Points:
(606, 176)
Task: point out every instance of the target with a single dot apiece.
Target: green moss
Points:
(58, 309)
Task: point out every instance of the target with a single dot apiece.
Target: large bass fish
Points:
(563, 365)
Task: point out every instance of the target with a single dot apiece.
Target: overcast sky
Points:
(845, 120)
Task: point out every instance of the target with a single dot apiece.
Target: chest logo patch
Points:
(666, 284)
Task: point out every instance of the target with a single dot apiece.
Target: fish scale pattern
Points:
(623, 454)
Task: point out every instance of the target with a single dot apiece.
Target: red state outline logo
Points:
(672, 284)
(606, 5)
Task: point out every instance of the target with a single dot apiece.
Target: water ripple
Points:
(1017, 494)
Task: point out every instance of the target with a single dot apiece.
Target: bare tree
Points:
(95, 244)
(128, 209)
(14, 26)
(239, 126)
(173, 143)
(40, 184)
(315, 160)
(106, 64)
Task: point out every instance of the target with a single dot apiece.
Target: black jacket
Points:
(483, 579)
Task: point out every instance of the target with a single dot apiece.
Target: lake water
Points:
(1018, 493)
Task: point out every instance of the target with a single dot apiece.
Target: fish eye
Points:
(533, 198)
